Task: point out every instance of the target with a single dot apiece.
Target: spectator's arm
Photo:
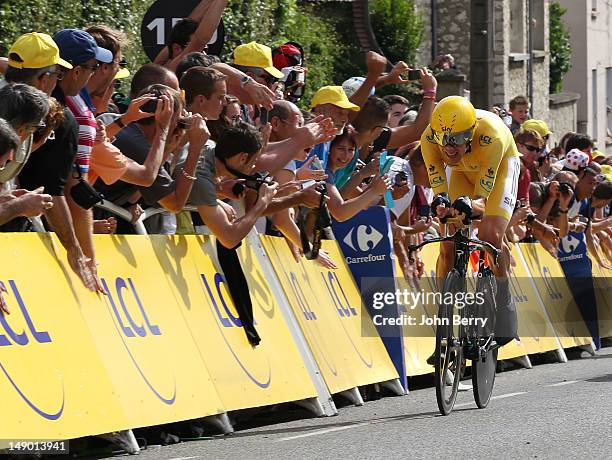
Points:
(376, 65)
(601, 225)
(3, 65)
(252, 93)
(208, 13)
(9, 208)
(343, 210)
(198, 134)
(60, 220)
(144, 175)
(229, 232)
(278, 154)
(403, 135)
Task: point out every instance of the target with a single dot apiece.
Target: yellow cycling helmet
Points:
(453, 120)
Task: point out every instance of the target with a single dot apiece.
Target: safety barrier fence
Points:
(165, 344)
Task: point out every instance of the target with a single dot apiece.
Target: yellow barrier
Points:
(76, 364)
(602, 280)
(535, 329)
(51, 384)
(244, 376)
(328, 308)
(550, 281)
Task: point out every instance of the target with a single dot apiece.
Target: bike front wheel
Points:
(483, 369)
(449, 350)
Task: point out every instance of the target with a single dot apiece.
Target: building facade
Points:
(589, 24)
(500, 45)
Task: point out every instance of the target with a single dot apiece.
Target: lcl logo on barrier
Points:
(344, 309)
(12, 338)
(134, 329)
(230, 321)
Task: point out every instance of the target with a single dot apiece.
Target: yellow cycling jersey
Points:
(492, 142)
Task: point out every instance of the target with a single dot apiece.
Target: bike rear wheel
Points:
(483, 369)
(449, 350)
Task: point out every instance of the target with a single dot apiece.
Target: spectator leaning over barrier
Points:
(34, 59)
(588, 178)
(135, 141)
(101, 86)
(234, 153)
(80, 49)
(25, 109)
(285, 120)
(342, 151)
(19, 202)
(529, 144)
(192, 33)
(205, 94)
(519, 110)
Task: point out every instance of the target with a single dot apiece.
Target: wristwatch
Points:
(531, 218)
(244, 81)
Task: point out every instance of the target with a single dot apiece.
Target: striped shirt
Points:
(87, 130)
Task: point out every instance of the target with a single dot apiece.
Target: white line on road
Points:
(507, 395)
(560, 384)
(328, 430)
(183, 458)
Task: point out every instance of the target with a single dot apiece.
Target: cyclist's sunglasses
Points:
(452, 139)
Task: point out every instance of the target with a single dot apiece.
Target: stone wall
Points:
(454, 31)
(563, 115)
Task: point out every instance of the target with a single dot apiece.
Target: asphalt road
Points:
(551, 411)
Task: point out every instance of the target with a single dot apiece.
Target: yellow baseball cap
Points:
(256, 55)
(606, 170)
(333, 95)
(123, 73)
(35, 51)
(539, 126)
(597, 154)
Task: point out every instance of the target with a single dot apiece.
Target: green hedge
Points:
(325, 31)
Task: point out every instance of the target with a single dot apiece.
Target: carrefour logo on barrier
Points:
(364, 238)
(31, 337)
(134, 331)
(367, 238)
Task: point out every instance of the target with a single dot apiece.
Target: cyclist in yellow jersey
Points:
(474, 155)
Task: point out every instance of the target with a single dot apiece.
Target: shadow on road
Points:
(600, 379)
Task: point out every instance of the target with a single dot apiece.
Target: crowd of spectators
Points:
(222, 147)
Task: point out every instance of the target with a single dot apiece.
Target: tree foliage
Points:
(398, 28)
(560, 47)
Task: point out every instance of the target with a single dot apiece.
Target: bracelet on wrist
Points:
(430, 91)
(563, 211)
(119, 122)
(192, 178)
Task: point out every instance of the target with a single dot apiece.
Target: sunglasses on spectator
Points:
(122, 63)
(533, 148)
(452, 139)
(265, 76)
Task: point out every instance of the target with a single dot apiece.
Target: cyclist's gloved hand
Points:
(463, 205)
(440, 200)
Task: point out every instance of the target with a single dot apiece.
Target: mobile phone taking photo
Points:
(263, 116)
(414, 74)
(149, 106)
